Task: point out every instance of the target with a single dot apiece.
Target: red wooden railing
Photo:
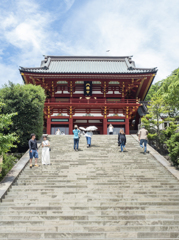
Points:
(93, 101)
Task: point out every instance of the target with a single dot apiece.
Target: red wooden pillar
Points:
(48, 125)
(49, 120)
(70, 124)
(127, 125)
(105, 120)
(104, 125)
(70, 120)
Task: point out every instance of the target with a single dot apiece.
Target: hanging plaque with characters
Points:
(88, 88)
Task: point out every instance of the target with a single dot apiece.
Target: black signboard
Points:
(87, 88)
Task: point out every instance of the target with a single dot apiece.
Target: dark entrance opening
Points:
(63, 128)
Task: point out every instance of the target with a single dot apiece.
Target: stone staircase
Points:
(96, 193)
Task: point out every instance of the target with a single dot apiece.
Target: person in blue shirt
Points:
(76, 133)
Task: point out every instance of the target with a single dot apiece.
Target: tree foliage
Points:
(8, 163)
(173, 147)
(152, 121)
(164, 100)
(154, 88)
(6, 140)
(170, 90)
(28, 102)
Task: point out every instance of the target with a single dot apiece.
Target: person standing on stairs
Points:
(110, 129)
(88, 136)
(142, 134)
(122, 140)
(33, 150)
(58, 132)
(45, 151)
(76, 133)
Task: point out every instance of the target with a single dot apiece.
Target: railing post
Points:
(127, 125)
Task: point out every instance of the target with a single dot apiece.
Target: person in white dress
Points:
(45, 151)
(111, 129)
(58, 132)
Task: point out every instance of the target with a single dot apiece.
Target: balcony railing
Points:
(94, 101)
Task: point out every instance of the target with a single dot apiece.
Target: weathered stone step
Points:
(88, 208)
(56, 238)
(107, 178)
(87, 223)
(80, 195)
(90, 203)
(91, 235)
(88, 229)
(98, 179)
(92, 217)
(65, 190)
(91, 212)
(88, 198)
(101, 185)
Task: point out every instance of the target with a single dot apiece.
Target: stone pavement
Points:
(96, 193)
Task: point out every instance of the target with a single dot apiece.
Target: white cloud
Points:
(146, 29)
(69, 3)
(26, 29)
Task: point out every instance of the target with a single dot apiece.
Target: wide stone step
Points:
(88, 229)
(69, 225)
(65, 190)
(92, 217)
(91, 235)
(80, 195)
(87, 198)
(91, 212)
(91, 203)
(87, 208)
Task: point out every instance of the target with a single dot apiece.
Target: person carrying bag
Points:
(122, 140)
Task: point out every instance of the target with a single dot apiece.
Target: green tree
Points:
(170, 91)
(152, 121)
(6, 142)
(173, 148)
(167, 92)
(28, 101)
(154, 88)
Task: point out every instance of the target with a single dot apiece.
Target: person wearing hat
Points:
(76, 132)
(142, 134)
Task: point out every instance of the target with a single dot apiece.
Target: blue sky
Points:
(146, 29)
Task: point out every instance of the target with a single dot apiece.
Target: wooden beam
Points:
(140, 86)
(148, 85)
(24, 77)
(33, 80)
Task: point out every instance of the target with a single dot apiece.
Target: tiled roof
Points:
(57, 64)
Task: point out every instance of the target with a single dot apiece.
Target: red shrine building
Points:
(91, 91)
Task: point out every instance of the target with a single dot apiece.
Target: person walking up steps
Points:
(45, 151)
(142, 134)
(76, 132)
(122, 140)
(88, 136)
(33, 150)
